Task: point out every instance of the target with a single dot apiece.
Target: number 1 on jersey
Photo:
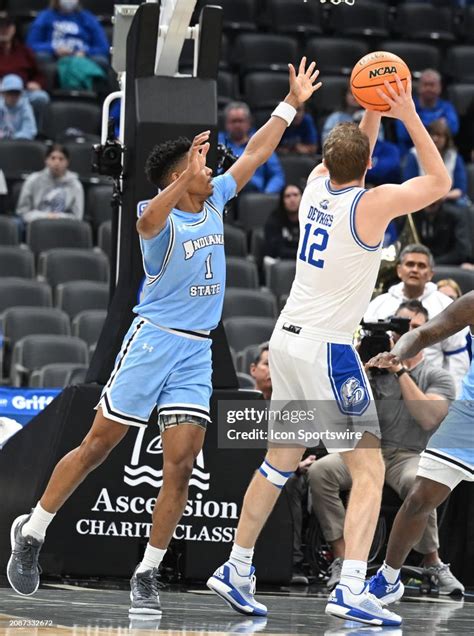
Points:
(209, 273)
(318, 245)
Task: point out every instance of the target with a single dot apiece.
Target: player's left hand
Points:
(385, 360)
(302, 85)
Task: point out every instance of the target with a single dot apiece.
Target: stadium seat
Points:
(459, 63)
(9, 231)
(20, 291)
(265, 89)
(241, 273)
(64, 265)
(470, 180)
(104, 238)
(420, 21)
(235, 241)
(282, 275)
(332, 97)
(80, 157)
(47, 234)
(293, 16)
(418, 55)
(59, 374)
(463, 277)
(297, 168)
(369, 20)
(249, 302)
(102, 8)
(335, 55)
(16, 261)
(264, 52)
(33, 352)
(239, 15)
(245, 380)
(245, 358)
(254, 208)
(98, 204)
(20, 157)
(257, 245)
(81, 295)
(468, 24)
(60, 116)
(25, 8)
(462, 96)
(226, 88)
(243, 331)
(88, 324)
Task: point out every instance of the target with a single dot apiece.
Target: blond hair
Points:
(346, 153)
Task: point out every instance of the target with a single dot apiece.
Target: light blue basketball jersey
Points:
(468, 381)
(185, 266)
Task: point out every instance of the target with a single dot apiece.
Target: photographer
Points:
(412, 400)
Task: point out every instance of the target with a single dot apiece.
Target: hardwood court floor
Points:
(59, 610)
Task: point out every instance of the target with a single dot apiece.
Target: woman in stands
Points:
(443, 139)
(54, 192)
(449, 287)
(66, 29)
(282, 230)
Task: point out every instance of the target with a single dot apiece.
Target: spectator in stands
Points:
(429, 106)
(444, 229)
(270, 177)
(412, 400)
(297, 486)
(415, 270)
(54, 192)
(449, 287)
(346, 113)
(260, 372)
(443, 139)
(282, 229)
(385, 159)
(66, 29)
(17, 120)
(19, 59)
(301, 137)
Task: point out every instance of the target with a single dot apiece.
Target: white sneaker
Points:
(236, 590)
(363, 607)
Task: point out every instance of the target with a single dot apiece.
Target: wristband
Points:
(286, 112)
(401, 372)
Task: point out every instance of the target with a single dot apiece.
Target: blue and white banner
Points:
(19, 406)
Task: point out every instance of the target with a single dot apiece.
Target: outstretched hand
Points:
(197, 154)
(401, 103)
(302, 85)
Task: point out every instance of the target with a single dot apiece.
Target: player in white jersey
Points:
(311, 356)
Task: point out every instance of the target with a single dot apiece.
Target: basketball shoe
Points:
(237, 591)
(144, 592)
(23, 571)
(363, 607)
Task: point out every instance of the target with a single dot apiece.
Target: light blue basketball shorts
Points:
(160, 367)
(449, 456)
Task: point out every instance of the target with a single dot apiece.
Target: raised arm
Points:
(262, 145)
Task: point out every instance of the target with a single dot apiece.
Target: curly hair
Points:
(164, 158)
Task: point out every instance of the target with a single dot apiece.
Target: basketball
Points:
(371, 72)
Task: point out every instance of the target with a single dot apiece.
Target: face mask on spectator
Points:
(68, 5)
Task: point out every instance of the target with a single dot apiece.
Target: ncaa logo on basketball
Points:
(383, 70)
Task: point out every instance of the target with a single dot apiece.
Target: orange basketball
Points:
(371, 72)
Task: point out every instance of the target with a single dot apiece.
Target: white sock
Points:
(353, 575)
(391, 575)
(151, 559)
(242, 559)
(38, 523)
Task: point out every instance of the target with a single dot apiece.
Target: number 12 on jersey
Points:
(319, 244)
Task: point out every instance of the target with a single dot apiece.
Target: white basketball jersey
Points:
(335, 270)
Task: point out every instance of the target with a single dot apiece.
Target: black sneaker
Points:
(144, 592)
(23, 571)
(299, 577)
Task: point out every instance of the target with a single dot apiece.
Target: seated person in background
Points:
(415, 270)
(54, 192)
(282, 229)
(301, 137)
(346, 113)
(443, 139)
(444, 229)
(297, 486)
(449, 287)
(17, 120)
(18, 59)
(67, 29)
(412, 400)
(429, 107)
(270, 177)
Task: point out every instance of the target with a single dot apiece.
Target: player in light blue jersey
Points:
(165, 358)
(448, 458)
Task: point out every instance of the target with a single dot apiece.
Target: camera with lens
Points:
(107, 158)
(377, 337)
(225, 158)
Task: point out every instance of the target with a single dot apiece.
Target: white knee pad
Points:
(276, 477)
